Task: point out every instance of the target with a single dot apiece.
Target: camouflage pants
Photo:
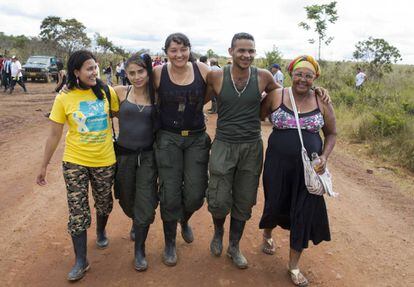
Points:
(77, 178)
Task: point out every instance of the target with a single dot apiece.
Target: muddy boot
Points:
(81, 263)
(141, 233)
(101, 239)
(186, 230)
(132, 232)
(236, 232)
(216, 244)
(170, 252)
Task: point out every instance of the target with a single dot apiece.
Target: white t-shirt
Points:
(16, 68)
(360, 79)
(215, 68)
(279, 78)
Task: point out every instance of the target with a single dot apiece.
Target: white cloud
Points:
(212, 23)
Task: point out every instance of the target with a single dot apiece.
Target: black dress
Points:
(288, 203)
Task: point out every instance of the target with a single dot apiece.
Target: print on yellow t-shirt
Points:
(89, 138)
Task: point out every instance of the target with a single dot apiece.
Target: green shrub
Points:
(386, 125)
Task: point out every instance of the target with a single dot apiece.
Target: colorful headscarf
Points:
(304, 61)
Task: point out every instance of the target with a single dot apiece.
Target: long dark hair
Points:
(75, 62)
(145, 61)
(179, 38)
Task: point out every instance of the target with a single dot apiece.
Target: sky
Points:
(210, 24)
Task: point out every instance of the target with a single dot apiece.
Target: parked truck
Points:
(40, 68)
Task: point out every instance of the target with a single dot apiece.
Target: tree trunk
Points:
(319, 51)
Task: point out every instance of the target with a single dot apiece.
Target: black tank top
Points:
(135, 125)
(181, 107)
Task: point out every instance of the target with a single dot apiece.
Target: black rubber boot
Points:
(216, 244)
(236, 232)
(81, 263)
(170, 252)
(186, 230)
(101, 239)
(141, 233)
(132, 232)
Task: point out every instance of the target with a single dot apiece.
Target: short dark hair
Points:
(203, 59)
(241, 36)
(213, 62)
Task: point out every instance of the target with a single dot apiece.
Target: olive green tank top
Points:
(239, 116)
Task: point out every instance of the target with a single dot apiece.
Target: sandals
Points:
(297, 277)
(268, 246)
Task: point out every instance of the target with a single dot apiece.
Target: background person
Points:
(214, 66)
(360, 79)
(122, 73)
(6, 73)
(16, 75)
(108, 74)
(2, 60)
(203, 59)
(61, 76)
(288, 203)
(118, 72)
(277, 74)
(89, 154)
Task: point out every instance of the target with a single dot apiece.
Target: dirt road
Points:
(372, 224)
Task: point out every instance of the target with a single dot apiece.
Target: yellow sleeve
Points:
(114, 100)
(57, 114)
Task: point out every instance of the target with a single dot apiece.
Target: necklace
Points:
(139, 106)
(182, 82)
(234, 85)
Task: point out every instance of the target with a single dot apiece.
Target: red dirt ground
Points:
(372, 224)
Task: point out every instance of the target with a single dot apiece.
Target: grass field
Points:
(381, 115)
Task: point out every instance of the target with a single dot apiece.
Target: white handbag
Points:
(316, 183)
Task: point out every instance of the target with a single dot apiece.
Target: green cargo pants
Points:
(136, 186)
(182, 168)
(234, 177)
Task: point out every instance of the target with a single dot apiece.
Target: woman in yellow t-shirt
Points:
(89, 154)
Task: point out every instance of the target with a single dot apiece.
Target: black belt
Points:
(185, 133)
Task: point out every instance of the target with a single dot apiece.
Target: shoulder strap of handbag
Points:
(292, 100)
(108, 97)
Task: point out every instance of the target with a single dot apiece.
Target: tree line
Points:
(61, 37)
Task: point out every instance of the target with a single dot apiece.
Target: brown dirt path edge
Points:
(372, 225)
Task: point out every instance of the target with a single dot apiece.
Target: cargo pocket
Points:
(163, 157)
(212, 192)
